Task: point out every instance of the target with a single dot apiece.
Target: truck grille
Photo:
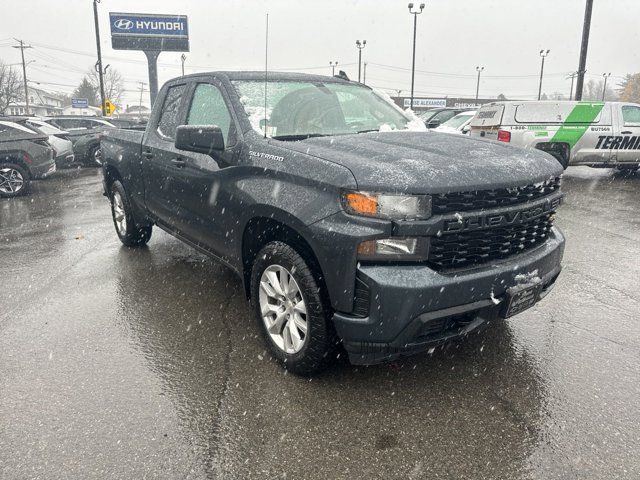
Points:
(486, 199)
(457, 250)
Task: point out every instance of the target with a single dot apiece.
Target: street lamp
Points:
(360, 45)
(333, 66)
(479, 70)
(183, 58)
(604, 87)
(543, 54)
(413, 58)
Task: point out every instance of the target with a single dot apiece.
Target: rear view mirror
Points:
(199, 138)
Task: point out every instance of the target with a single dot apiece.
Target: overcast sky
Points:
(454, 36)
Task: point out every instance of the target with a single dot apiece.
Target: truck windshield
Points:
(297, 110)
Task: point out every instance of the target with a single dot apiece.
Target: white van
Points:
(597, 134)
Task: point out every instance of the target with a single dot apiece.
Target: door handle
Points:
(179, 162)
(147, 154)
(626, 132)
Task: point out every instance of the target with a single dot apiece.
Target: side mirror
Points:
(199, 138)
(433, 124)
(466, 128)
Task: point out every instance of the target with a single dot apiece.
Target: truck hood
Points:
(419, 162)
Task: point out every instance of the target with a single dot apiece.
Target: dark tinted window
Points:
(208, 108)
(169, 115)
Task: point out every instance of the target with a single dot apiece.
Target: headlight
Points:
(393, 207)
(393, 249)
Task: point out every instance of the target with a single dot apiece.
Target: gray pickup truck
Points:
(347, 222)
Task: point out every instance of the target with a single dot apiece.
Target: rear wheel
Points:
(291, 311)
(129, 233)
(14, 180)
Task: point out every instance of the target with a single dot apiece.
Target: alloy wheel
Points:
(119, 214)
(283, 309)
(11, 180)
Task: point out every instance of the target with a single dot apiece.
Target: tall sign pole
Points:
(582, 67)
(100, 72)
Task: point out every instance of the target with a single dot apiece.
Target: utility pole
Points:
(582, 67)
(604, 87)
(543, 54)
(333, 66)
(142, 84)
(183, 57)
(413, 58)
(479, 70)
(100, 71)
(572, 76)
(360, 45)
(22, 46)
(364, 74)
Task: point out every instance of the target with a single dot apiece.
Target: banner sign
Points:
(146, 31)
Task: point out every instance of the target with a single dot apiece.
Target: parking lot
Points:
(148, 363)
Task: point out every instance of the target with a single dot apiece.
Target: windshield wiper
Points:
(368, 131)
(299, 136)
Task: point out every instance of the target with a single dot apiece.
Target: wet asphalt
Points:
(120, 363)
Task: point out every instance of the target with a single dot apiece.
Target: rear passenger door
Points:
(202, 194)
(626, 144)
(160, 158)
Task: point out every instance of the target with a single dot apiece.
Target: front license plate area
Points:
(520, 298)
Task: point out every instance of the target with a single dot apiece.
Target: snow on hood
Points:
(414, 162)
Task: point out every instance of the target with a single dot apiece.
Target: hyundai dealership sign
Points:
(146, 31)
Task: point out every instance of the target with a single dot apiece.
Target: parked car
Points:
(597, 134)
(458, 125)
(58, 139)
(435, 117)
(84, 133)
(337, 229)
(25, 155)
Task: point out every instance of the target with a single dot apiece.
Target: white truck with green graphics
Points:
(596, 134)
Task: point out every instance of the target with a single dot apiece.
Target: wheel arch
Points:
(261, 229)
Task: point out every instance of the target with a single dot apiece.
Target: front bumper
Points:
(412, 307)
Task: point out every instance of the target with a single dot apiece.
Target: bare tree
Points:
(10, 87)
(593, 91)
(113, 84)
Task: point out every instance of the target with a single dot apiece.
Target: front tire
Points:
(291, 311)
(14, 180)
(129, 233)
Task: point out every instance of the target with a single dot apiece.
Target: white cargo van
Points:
(597, 134)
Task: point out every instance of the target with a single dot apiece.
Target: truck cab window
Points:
(631, 115)
(208, 108)
(169, 115)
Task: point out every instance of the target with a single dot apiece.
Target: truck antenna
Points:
(266, 60)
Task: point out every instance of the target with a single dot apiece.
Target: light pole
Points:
(360, 45)
(604, 87)
(142, 84)
(572, 77)
(333, 66)
(183, 57)
(543, 54)
(582, 66)
(364, 73)
(479, 70)
(413, 58)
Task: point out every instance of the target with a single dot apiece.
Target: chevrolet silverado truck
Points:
(347, 223)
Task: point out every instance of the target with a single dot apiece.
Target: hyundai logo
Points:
(123, 24)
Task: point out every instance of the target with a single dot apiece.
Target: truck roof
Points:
(271, 76)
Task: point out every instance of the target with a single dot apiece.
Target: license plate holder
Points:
(520, 298)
